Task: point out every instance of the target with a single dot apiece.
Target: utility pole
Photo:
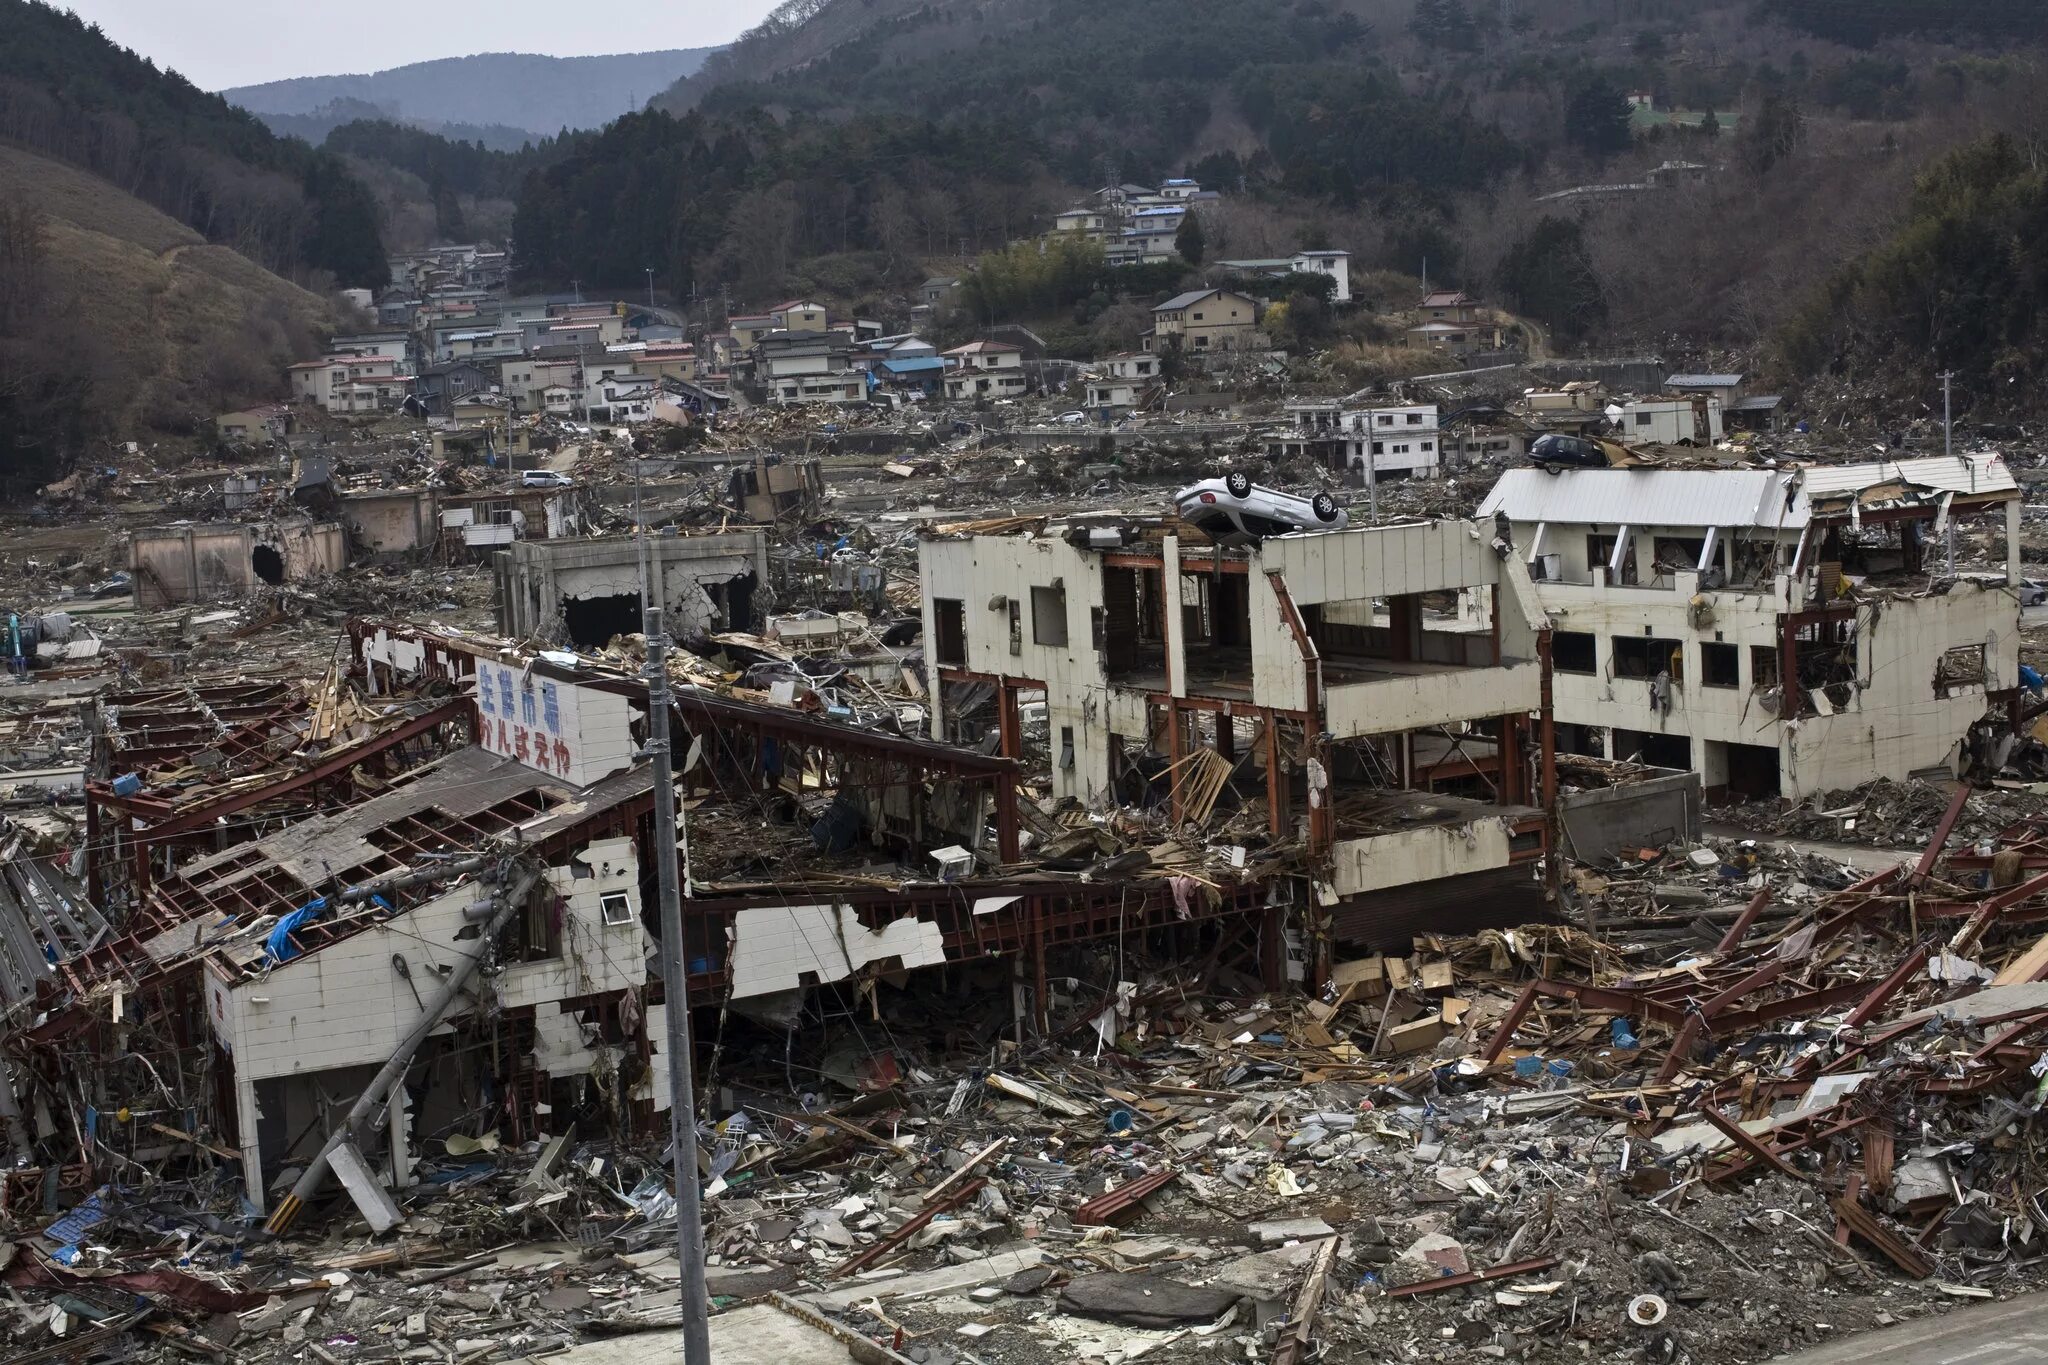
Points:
(650, 285)
(577, 285)
(1948, 450)
(682, 1099)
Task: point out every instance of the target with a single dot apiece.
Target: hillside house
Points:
(1123, 382)
(271, 422)
(748, 330)
(624, 398)
(1388, 441)
(438, 388)
(1456, 339)
(798, 315)
(1668, 421)
(1084, 220)
(1782, 632)
(393, 346)
(809, 367)
(1334, 264)
(985, 369)
(526, 380)
(350, 384)
(1205, 320)
(1449, 305)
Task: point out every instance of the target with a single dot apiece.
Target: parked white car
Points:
(1235, 503)
(545, 478)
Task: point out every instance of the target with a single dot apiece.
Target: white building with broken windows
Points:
(1779, 631)
(1374, 694)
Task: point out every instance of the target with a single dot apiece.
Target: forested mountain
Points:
(319, 124)
(70, 94)
(119, 323)
(1865, 22)
(707, 202)
(540, 95)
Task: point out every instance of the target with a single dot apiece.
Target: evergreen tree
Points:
(1548, 274)
(1773, 133)
(1596, 119)
(1711, 124)
(1188, 241)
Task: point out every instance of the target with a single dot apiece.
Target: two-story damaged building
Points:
(1779, 631)
(1377, 693)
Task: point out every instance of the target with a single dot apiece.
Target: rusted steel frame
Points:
(1923, 869)
(1503, 1035)
(1887, 988)
(1498, 1272)
(1119, 1204)
(1811, 1138)
(1814, 1001)
(1736, 931)
(1749, 1143)
(909, 1229)
(1756, 980)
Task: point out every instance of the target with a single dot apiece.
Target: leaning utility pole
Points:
(682, 1101)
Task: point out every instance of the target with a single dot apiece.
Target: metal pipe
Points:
(507, 903)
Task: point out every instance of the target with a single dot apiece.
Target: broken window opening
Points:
(616, 907)
(1574, 651)
(1961, 669)
(1720, 665)
(1645, 656)
(1049, 616)
(594, 622)
(949, 622)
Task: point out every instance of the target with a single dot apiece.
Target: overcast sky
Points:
(217, 44)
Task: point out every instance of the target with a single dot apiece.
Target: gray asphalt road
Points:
(1982, 1334)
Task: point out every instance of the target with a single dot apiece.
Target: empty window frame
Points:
(616, 907)
(1645, 656)
(1049, 616)
(949, 623)
(1574, 651)
(1720, 664)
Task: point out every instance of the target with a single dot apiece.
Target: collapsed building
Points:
(1779, 631)
(1377, 698)
(584, 592)
(204, 563)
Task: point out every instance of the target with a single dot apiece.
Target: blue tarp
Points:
(921, 364)
(279, 945)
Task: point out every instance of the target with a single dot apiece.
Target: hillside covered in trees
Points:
(68, 93)
(539, 95)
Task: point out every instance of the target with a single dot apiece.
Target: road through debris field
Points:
(334, 1032)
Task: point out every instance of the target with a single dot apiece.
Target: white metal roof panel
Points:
(1645, 497)
(1957, 474)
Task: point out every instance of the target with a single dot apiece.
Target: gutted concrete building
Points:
(1377, 692)
(1779, 631)
(206, 563)
(585, 592)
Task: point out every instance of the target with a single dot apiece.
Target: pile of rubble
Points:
(1891, 814)
(1786, 1123)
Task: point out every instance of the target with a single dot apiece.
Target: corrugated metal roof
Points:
(1645, 497)
(1950, 473)
(1703, 381)
(1723, 497)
